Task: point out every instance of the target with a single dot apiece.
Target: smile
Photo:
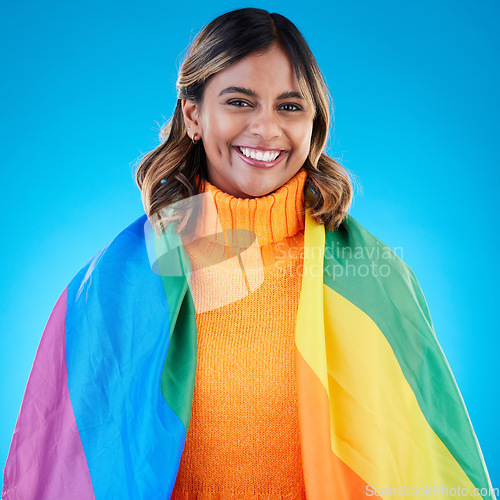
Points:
(260, 157)
(257, 154)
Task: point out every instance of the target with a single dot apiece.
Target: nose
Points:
(265, 124)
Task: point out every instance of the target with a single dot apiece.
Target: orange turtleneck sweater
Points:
(243, 439)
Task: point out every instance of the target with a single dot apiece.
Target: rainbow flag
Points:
(379, 408)
(108, 402)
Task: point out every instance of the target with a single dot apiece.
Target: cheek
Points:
(302, 138)
(219, 133)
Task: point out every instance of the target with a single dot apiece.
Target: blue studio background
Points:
(85, 86)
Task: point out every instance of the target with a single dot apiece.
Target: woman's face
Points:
(255, 125)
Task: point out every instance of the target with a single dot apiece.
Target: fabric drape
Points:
(108, 402)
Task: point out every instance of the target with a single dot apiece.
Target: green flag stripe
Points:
(179, 369)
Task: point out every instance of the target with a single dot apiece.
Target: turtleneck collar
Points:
(272, 218)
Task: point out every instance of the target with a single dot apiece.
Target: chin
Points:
(259, 192)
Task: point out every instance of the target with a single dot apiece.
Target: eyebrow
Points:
(290, 94)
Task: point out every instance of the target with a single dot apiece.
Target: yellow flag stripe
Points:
(378, 428)
(309, 332)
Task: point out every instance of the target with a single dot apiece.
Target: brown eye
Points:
(238, 103)
(290, 107)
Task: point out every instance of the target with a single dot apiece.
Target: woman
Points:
(277, 350)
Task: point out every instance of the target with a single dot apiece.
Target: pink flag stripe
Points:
(46, 458)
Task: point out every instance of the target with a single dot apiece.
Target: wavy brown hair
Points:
(177, 169)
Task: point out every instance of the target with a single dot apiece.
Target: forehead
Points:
(269, 72)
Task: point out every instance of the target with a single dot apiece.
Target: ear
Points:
(191, 113)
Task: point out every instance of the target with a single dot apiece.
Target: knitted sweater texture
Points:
(243, 439)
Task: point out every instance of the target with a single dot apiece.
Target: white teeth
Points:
(260, 155)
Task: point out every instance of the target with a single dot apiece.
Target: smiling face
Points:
(255, 124)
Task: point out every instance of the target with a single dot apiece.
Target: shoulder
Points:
(124, 259)
(361, 266)
(353, 241)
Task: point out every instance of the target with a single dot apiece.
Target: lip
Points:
(259, 163)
